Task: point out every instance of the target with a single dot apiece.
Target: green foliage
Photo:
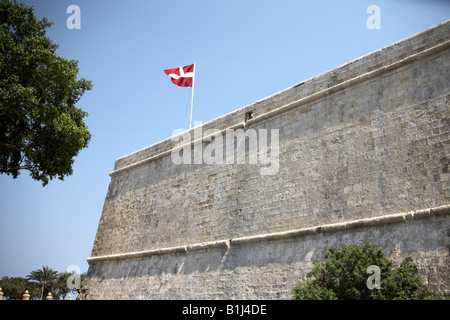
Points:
(41, 129)
(343, 275)
(46, 277)
(61, 284)
(14, 288)
(39, 283)
(404, 283)
(313, 291)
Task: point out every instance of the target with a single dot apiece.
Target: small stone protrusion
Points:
(26, 295)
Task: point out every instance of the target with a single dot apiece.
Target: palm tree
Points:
(43, 277)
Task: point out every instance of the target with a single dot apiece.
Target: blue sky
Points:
(245, 51)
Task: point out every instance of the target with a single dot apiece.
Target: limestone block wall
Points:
(364, 152)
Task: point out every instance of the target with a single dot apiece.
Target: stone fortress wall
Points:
(364, 154)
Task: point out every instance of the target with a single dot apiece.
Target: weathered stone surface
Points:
(364, 152)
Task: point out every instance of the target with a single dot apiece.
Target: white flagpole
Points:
(192, 97)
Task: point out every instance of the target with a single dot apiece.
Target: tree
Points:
(46, 278)
(344, 275)
(14, 288)
(61, 284)
(76, 289)
(41, 129)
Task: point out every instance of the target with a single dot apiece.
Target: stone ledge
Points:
(334, 227)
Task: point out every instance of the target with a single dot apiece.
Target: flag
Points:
(183, 77)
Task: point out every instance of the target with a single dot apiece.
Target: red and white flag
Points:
(183, 76)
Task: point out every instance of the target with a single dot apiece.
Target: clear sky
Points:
(245, 51)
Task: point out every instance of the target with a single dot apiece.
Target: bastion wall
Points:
(364, 153)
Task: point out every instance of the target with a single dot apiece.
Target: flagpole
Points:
(192, 97)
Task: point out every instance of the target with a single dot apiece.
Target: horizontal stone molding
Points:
(328, 228)
(308, 99)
